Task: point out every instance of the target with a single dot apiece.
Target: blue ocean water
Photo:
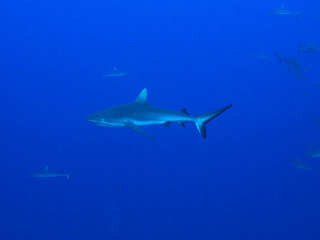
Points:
(239, 183)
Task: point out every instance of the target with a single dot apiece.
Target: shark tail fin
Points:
(202, 120)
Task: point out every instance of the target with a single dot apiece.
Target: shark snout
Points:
(99, 121)
(93, 118)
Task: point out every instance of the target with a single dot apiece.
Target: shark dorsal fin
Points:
(142, 97)
(46, 168)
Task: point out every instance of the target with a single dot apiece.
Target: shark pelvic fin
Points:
(142, 97)
(185, 111)
(138, 130)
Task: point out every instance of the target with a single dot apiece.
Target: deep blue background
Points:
(237, 184)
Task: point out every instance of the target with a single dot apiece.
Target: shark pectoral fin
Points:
(139, 130)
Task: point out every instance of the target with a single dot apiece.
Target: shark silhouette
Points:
(292, 65)
(45, 173)
(285, 11)
(115, 73)
(141, 113)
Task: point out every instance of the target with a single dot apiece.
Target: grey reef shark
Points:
(285, 11)
(45, 173)
(115, 73)
(315, 153)
(292, 65)
(141, 113)
(301, 165)
(308, 48)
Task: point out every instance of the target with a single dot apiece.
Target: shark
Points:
(301, 165)
(308, 49)
(115, 73)
(284, 11)
(292, 64)
(141, 113)
(315, 154)
(45, 173)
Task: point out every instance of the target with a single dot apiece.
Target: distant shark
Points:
(292, 64)
(115, 73)
(308, 49)
(284, 11)
(315, 154)
(301, 165)
(141, 113)
(45, 173)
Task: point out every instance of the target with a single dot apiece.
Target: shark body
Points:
(141, 113)
(301, 165)
(45, 173)
(284, 11)
(292, 64)
(115, 73)
(315, 154)
(308, 49)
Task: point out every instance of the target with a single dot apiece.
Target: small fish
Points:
(115, 73)
(301, 165)
(45, 173)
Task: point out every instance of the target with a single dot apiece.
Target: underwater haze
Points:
(253, 177)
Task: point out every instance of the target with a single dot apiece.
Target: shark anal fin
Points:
(138, 130)
(183, 124)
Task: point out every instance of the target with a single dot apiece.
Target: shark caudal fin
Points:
(202, 120)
